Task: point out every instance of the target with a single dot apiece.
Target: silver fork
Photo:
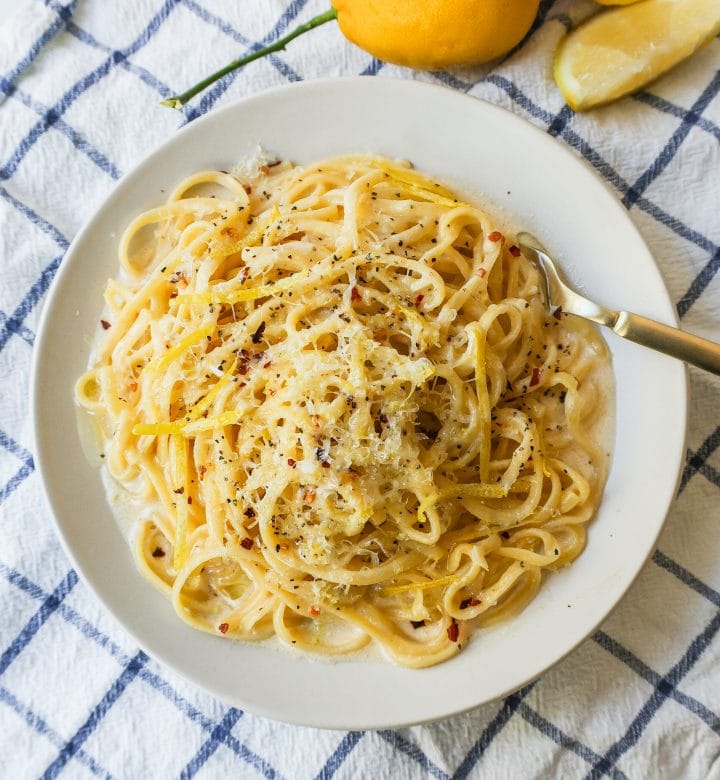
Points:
(559, 295)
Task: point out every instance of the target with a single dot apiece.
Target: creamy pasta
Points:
(335, 394)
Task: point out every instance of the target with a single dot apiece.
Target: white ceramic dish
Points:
(500, 159)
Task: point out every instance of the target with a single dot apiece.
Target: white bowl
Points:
(500, 160)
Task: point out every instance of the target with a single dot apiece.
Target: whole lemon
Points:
(436, 34)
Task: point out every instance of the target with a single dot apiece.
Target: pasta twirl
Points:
(336, 395)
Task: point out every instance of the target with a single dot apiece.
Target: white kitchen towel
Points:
(80, 84)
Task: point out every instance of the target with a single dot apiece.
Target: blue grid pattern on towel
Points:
(226, 741)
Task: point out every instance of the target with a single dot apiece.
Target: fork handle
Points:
(672, 341)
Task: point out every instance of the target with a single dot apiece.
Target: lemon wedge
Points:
(623, 49)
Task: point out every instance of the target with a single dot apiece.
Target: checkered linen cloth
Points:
(79, 89)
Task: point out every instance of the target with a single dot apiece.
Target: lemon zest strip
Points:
(249, 294)
(156, 429)
(392, 589)
(255, 236)
(191, 340)
(204, 403)
(415, 179)
(190, 423)
(208, 423)
(183, 428)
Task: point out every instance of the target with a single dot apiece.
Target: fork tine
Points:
(528, 241)
(558, 293)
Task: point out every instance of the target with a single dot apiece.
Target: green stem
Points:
(178, 101)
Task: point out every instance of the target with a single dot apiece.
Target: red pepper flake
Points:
(247, 543)
(105, 324)
(558, 313)
(292, 462)
(247, 188)
(158, 553)
(515, 251)
(535, 378)
(268, 364)
(179, 491)
(355, 294)
(314, 611)
(249, 512)
(189, 499)
(470, 602)
(417, 624)
(453, 631)
(223, 627)
(419, 299)
(325, 464)
(480, 272)
(495, 236)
